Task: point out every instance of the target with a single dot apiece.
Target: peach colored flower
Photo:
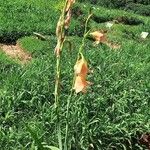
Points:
(98, 37)
(81, 70)
(80, 84)
(81, 67)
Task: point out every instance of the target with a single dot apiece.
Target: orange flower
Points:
(81, 67)
(81, 70)
(80, 84)
(99, 37)
(69, 4)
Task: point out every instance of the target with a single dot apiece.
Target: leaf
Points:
(34, 136)
(51, 147)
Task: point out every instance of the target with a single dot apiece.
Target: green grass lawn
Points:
(115, 111)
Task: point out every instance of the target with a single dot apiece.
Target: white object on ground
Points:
(109, 24)
(144, 35)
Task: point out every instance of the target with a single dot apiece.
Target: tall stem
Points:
(84, 36)
(61, 39)
(57, 101)
(71, 93)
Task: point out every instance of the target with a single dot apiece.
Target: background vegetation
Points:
(115, 111)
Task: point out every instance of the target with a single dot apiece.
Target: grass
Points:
(22, 18)
(115, 111)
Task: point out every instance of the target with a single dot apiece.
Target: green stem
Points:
(71, 93)
(84, 36)
(67, 121)
(57, 101)
(67, 116)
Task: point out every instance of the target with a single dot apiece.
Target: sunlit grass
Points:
(114, 112)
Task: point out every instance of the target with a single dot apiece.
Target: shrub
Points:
(116, 3)
(107, 3)
(129, 20)
(139, 9)
(23, 19)
(145, 2)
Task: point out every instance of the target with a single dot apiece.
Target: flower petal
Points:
(98, 36)
(80, 84)
(81, 67)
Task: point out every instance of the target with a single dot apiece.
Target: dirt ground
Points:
(16, 52)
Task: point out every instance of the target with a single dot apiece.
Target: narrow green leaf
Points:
(51, 147)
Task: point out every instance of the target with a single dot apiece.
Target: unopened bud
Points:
(68, 19)
(58, 28)
(57, 49)
(69, 4)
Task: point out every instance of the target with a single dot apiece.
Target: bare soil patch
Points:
(16, 52)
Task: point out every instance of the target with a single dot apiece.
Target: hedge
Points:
(116, 3)
(139, 9)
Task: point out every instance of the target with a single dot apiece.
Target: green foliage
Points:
(116, 3)
(4, 59)
(107, 3)
(145, 2)
(115, 111)
(25, 17)
(36, 47)
(139, 9)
